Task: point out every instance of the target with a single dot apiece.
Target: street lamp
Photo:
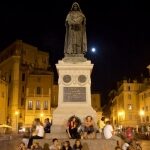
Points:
(142, 113)
(41, 116)
(16, 114)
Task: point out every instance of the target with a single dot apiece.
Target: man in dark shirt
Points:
(47, 126)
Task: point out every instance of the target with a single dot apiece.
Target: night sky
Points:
(119, 30)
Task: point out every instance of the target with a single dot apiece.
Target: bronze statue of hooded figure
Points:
(75, 38)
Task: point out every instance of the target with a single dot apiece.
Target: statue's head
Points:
(75, 7)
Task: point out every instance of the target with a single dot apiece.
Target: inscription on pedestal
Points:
(74, 94)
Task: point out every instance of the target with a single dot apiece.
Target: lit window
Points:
(30, 105)
(37, 105)
(130, 107)
(45, 107)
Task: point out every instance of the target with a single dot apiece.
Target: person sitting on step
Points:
(73, 124)
(89, 131)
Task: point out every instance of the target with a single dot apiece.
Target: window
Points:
(130, 107)
(45, 105)
(129, 96)
(22, 101)
(30, 105)
(22, 89)
(38, 90)
(129, 88)
(38, 79)
(3, 95)
(130, 116)
(146, 108)
(147, 118)
(8, 101)
(9, 78)
(37, 105)
(20, 116)
(23, 76)
(143, 119)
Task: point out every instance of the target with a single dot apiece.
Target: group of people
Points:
(56, 145)
(65, 145)
(38, 130)
(77, 130)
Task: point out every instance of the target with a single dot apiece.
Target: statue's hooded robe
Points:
(75, 38)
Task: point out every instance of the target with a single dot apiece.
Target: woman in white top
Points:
(39, 132)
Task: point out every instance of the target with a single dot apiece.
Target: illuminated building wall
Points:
(3, 101)
(18, 63)
(125, 105)
(144, 99)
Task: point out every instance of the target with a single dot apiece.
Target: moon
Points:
(93, 49)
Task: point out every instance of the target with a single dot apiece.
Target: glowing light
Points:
(93, 50)
(16, 113)
(142, 113)
(41, 114)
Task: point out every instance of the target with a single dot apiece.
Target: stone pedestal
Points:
(74, 96)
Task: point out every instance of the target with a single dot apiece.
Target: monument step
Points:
(64, 135)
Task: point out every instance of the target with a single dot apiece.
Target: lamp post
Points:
(16, 114)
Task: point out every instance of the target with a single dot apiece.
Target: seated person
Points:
(73, 127)
(39, 133)
(109, 133)
(77, 145)
(36, 146)
(55, 145)
(21, 146)
(66, 146)
(88, 128)
(47, 126)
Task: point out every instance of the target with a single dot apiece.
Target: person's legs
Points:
(31, 140)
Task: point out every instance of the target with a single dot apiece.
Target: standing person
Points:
(101, 124)
(77, 145)
(39, 133)
(47, 126)
(75, 39)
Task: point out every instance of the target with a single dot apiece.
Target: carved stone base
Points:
(76, 58)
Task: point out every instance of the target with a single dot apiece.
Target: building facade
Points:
(25, 68)
(125, 105)
(144, 99)
(3, 101)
